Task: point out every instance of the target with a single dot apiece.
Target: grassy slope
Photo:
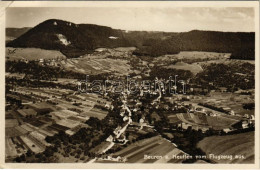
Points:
(230, 145)
(32, 53)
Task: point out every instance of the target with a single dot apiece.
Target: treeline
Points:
(249, 106)
(240, 45)
(232, 76)
(165, 73)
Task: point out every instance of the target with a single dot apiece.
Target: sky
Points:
(172, 19)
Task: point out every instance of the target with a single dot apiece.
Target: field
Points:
(155, 146)
(190, 55)
(10, 150)
(238, 144)
(233, 101)
(101, 147)
(125, 49)
(200, 120)
(62, 114)
(100, 114)
(32, 54)
(226, 61)
(194, 68)
(96, 65)
(201, 55)
(189, 60)
(12, 132)
(33, 144)
(11, 122)
(68, 123)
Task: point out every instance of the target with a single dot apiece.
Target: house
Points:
(213, 114)
(125, 118)
(245, 124)
(227, 109)
(199, 109)
(135, 110)
(246, 116)
(107, 106)
(117, 130)
(184, 126)
(151, 65)
(227, 130)
(232, 112)
(141, 121)
(204, 129)
(110, 139)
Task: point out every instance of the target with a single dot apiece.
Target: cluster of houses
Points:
(48, 62)
(113, 158)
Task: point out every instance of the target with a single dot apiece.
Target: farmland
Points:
(97, 65)
(54, 114)
(191, 55)
(238, 144)
(96, 127)
(151, 150)
(201, 120)
(195, 58)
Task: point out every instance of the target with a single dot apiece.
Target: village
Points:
(33, 114)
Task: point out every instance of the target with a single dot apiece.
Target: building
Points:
(252, 117)
(245, 124)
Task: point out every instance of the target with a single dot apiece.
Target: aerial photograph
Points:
(150, 85)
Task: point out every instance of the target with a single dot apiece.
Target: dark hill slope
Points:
(241, 45)
(80, 38)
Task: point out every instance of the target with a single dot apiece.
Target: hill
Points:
(74, 40)
(13, 33)
(71, 39)
(16, 32)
